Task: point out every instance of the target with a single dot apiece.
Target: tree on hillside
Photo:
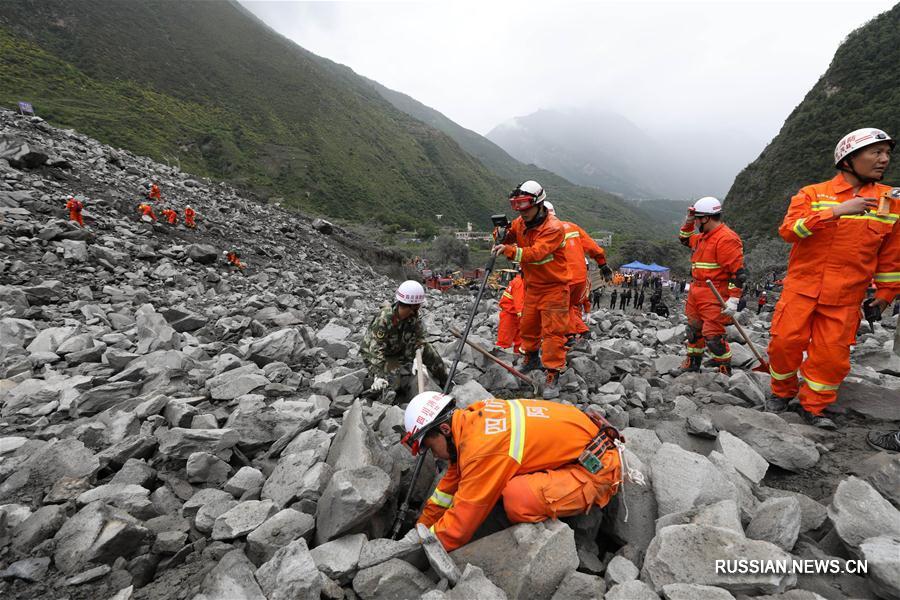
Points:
(767, 258)
(447, 251)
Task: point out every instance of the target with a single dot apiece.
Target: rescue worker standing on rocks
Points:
(536, 240)
(544, 459)
(390, 344)
(189, 216)
(578, 245)
(718, 255)
(845, 235)
(512, 302)
(75, 207)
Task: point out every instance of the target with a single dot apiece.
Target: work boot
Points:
(571, 338)
(775, 404)
(691, 364)
(819, 421)
(724, 368)
(884, 440)
(532, 362)
(551, 385)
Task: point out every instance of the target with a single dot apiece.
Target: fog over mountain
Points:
(605, 149)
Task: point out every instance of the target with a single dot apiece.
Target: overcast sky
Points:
(666, 65)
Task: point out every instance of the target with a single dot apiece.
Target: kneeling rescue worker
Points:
(545, 459)
(75, 207)
(390, 344)
(536, 240)
(845, 235)
(718, 255)
(189, 215)
(512, 303)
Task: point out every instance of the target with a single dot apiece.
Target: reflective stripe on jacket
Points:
(578, 245)
(717, 255)
(540, 250)
(513, 298)
(835, 259)
(495, 441)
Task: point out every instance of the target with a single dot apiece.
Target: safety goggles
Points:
(412, 442)
(521, 202)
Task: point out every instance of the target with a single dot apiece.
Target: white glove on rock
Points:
(731, 307)
(379, 384)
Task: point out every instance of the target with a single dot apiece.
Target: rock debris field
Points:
(172, 428)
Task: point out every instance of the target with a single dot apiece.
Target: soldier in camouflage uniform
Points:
(389, 346)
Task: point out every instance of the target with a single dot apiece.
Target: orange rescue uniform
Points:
(189, 214)
(170, 215)
(717, 255)
(833, 261)
(526, 452)
(512, 303)
(234, 259)
(154, 193)
(578, 245)
(75, 207)
(540, 250)
(147, 211)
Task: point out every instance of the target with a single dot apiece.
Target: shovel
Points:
(763, 366)
(515, 372)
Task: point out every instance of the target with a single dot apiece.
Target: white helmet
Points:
(706, 206)
(860, 138)
(423, 413)
(410, 292)
(550, 209)
(527, 194)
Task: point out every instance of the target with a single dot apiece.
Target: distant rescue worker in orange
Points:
(536, 240)
(578, 245)
(512, 303)
(147, 212)
(234, 257)
(717, 255)
(189, 216)
(155, 193)
(546, 460)
(75, 207)
(845, 236)
(170, 216)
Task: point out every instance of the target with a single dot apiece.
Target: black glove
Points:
(606, 272)
(870, 311)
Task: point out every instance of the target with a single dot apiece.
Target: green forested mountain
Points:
(860, 89)
(598, 209)
(209, 85)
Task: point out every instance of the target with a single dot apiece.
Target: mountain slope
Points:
(606, 150)
(208, 85)
(861, 88)
(592, 207)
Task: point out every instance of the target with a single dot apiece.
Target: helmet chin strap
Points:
(852, 170)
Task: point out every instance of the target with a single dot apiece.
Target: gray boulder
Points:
(179, 442)
(154, 333)
(339, 558)
(290, 574)
(777, 520)
(350, 500)
(882, 555)
(242, 519)
(683, 480)
(391, 580)
(742, 456)
(284, 345)
(773, 438)
(859, 512)
(688, 554)
(98, 533)
(278, 531)
(544, 553)
(231, 578)
(474, 584)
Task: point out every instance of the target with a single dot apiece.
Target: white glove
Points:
(379, 384)
(731, 307)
